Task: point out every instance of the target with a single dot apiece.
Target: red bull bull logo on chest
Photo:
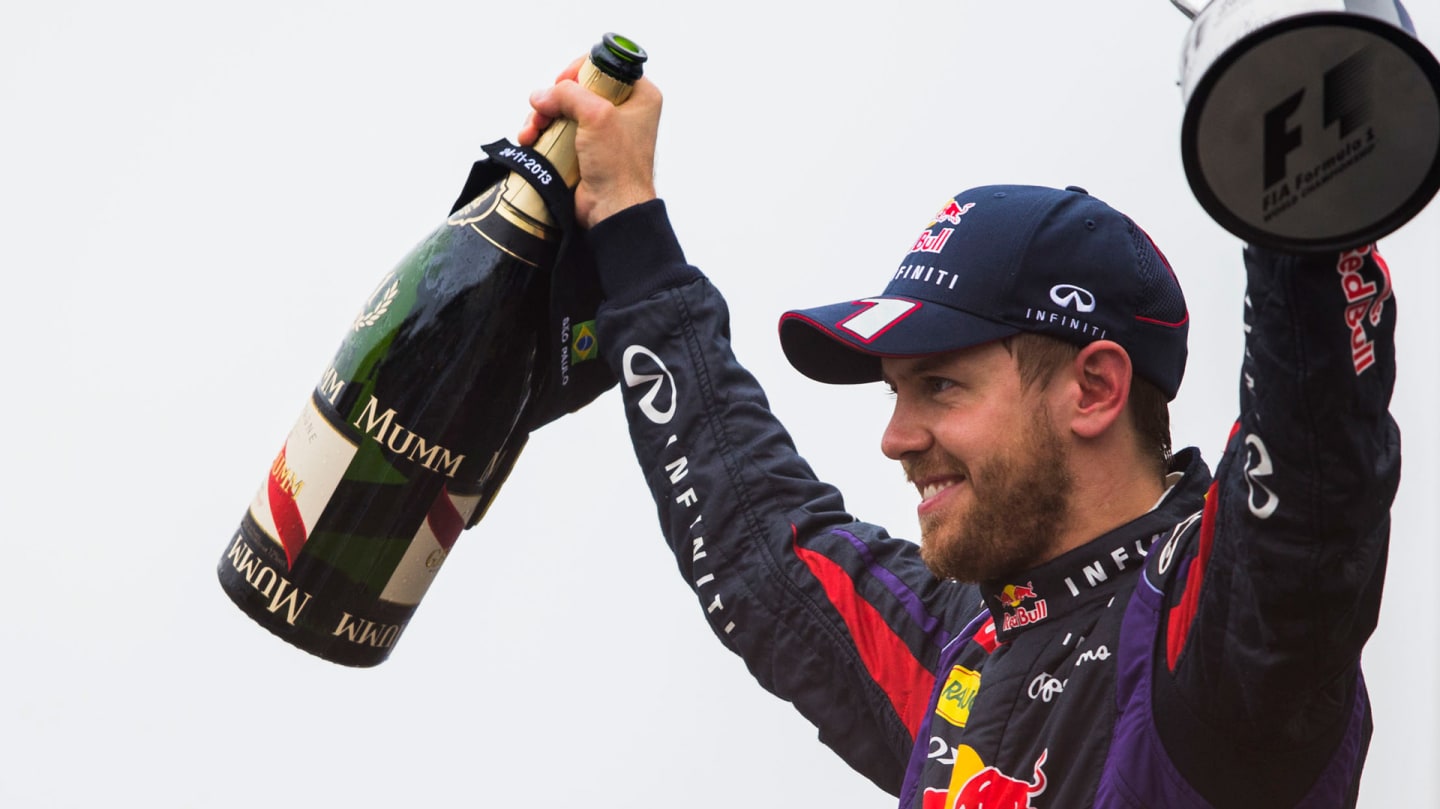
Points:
(992, 789)
(976, 786)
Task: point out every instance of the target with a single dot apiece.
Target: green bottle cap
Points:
(619, 57)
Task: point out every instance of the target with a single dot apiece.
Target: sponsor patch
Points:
(1364, 301)
(958, 695)
(991, 787)
(583, 344)
(1014, 596)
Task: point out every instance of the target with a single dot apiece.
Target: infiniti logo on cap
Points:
(1070, 295)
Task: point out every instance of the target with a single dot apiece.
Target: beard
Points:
(1020, 499)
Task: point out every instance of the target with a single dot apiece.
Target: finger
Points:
(536, 122)
(645, 92)
(531, 129)
(568, 100)
(544, 107)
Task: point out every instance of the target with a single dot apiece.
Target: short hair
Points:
(1038, 357)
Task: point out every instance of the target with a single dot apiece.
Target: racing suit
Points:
(1204, 654)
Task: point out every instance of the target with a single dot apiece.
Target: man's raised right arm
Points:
(827, 612)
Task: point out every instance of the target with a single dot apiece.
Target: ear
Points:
(1101, 373)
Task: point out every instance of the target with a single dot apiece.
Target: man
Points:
(1088, 621)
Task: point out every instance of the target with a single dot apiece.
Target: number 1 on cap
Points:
(877, 317)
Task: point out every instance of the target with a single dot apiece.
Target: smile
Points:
(930, 489)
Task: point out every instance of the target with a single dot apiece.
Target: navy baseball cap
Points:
(998, 260)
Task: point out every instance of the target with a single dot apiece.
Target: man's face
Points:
(984, 453)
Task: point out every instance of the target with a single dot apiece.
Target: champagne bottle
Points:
(420, 416)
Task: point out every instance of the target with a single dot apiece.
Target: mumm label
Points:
(381, 425)
(267, 582)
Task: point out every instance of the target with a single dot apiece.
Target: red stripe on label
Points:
(885, 655)
(284, 511)
(445, 520)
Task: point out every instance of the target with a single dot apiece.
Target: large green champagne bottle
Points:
(417, 421)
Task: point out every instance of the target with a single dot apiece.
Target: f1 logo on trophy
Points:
(1309, 124)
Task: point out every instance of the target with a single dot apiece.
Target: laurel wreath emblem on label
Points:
(373, 315)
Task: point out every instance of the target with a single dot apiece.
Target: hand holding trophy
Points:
(1309, 124)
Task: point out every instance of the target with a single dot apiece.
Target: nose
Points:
(906, 434)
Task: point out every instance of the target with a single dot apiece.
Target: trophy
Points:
(1309, 125)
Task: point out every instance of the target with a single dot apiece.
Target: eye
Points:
(938, 384)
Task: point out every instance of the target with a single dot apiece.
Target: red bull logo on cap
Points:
(952, 212)
(931, 241)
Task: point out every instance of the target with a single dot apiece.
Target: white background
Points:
(196, 199)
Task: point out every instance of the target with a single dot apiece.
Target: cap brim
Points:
(843, 343)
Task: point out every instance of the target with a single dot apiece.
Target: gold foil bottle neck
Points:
(520, 203)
